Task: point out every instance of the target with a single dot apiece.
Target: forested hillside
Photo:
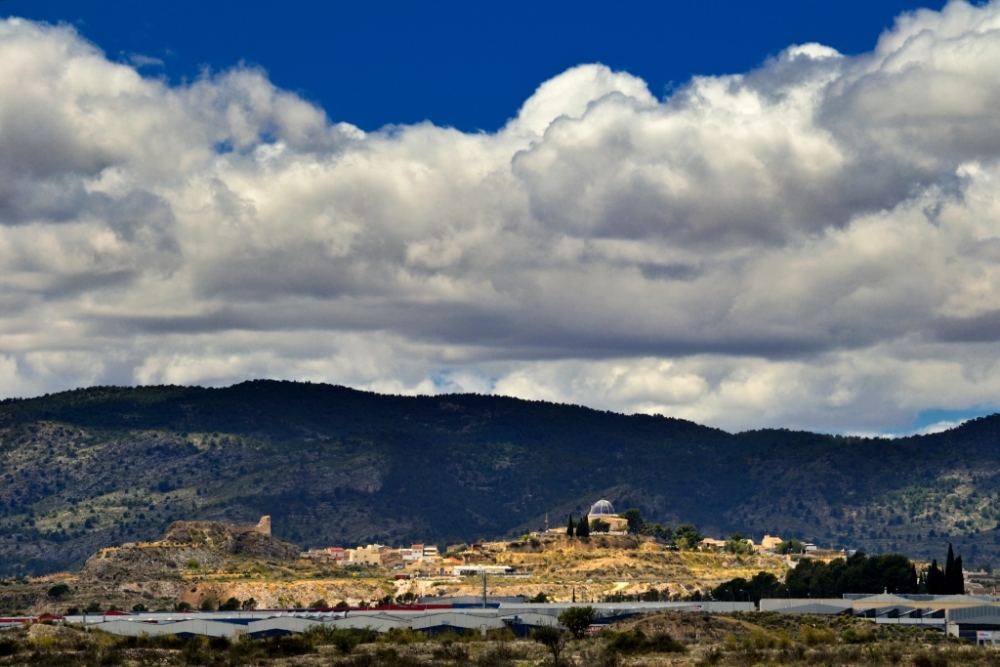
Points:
(331, 465)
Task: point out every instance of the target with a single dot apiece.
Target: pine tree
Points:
(570, 526)
(583, 528)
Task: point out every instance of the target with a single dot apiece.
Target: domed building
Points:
(605, 511)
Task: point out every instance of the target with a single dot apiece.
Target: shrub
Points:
(814, 637)
(925, 659)
(853, 636)
(58, 591)
(499, 655)
(345, 640)
(661, 642)
(403, 636)
(9, 646)
(501, 635)
(451, 651)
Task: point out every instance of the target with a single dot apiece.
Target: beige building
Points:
(605, 511)
(712, 544)
(770, 543)
(370, 555)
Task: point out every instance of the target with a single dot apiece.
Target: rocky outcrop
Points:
(189, 545)
(231, 538)
(135, 561)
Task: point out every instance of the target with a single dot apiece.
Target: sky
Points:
(778, 216)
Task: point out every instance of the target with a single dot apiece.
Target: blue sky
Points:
(468, 65)
(744, 214)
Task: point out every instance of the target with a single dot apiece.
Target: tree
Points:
(578, 619)
(583, 528)
(232, 604)
(687, 536)
(58, 591)
(761, 585)
(935, 579)
(657, 531)
(949, 572)
(737, 544)
(635, 520)
(599, 526)
(249, 604)
(570, 526)
(553, 639)
(792, 546)
(956, 580)
(857, 574)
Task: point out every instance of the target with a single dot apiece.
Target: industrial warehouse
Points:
(974, 618)
(458, 615)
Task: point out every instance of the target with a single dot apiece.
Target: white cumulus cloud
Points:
(814, 243)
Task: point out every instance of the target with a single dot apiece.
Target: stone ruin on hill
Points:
(232, 538)
(205, 542)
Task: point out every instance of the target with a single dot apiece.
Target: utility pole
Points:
(484, 589)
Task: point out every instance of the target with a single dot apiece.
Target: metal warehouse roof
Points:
(458, 620)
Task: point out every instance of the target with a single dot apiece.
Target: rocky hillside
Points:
(188, 545)
(97, 467)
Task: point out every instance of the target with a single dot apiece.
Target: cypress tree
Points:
(949, 572)
(583, 528)
(958, 581)
(935, 579)
(570, 525)
(914, 582)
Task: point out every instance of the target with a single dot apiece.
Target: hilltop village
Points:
(603, 556)
(601, 522)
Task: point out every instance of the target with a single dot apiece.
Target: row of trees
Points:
(860, 573)
(949, 581)
(685, 537)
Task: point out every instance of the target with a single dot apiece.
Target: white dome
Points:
(602, 508)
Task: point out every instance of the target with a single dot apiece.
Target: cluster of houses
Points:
(461, 560)
(768, 545)
(378, 555)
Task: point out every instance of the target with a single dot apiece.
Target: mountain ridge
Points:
(335, 465)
